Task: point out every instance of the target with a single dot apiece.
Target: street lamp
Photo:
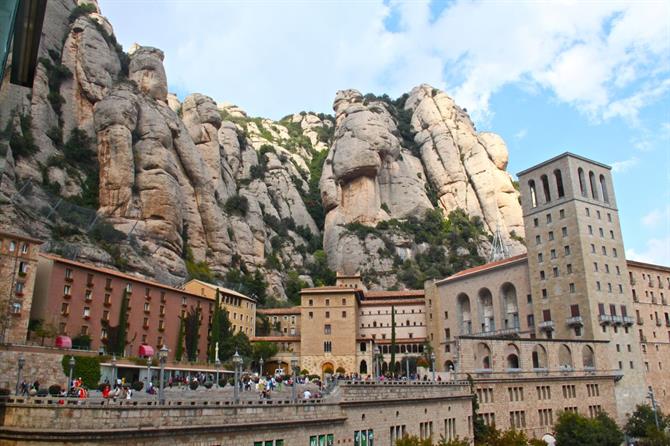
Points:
(71, 362)
(22, 362)
(217, 364)
(149, 359)
(162, 359)
(260, 362)
(407, 366)
(237, 361)
(650, 395)
(375, 361)
(294, 367)
(432, 361)
(113, 371)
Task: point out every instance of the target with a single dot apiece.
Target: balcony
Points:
(108, 288)
(617, 320)
(67, 296)
(89, 284)
(605, 319)
(88, 298)
(547, 325)
(107, 303)
(628, 321)
(575, 321)
(68, 279)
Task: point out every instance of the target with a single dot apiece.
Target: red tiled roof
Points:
(113, 272)
(644, 265)
(290, 310)
(275, 338)
(486, 266)
(392, 294)
(25, 238)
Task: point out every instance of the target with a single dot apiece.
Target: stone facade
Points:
(18, 265)
(650, 286)
(422, 408)
(41, 364)
(241, 309)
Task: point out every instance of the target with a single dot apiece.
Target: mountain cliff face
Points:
(99, 159)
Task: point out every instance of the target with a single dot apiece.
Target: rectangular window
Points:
(553, 253)
(67, 289)
(568, 268)
(544, 293)
(538, 240)
(564, 231)
(65, 309)
(87, 311)
(105, 315)
(566, 250)
(327, 314)
(327, 347)
(561, 213)
(326, 329)
(539, 257)
(542, 277)
(311, 315)
(536, 222)
(604, 250)
(572, 288)
(555, 271)
(548, 218)
(614, 253)
(588, 212)
(344, 315)
(551, 235)
(590, 230)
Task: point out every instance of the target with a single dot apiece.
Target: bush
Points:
(328, 369)
(77, 149)
(222, 382)
(42, 393)
(80, 10)
(208, 384)
(86, 367)
(313, 377)
(237, 204)
(340, 370)
(304, 372)
(137, 385)
(22, 143)
(193, 385)
(54, 390)
(82, 342)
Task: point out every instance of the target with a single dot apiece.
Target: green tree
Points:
(179, 349)
(215, 331)
(192, 333)
(412, 440)
(293, 286)
(116, 340)
(392, 369)
(85, 367)
(573, 429)
(641, 422)
(263, 349)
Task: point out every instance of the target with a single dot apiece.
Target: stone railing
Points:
(540, 373)
(359, 391)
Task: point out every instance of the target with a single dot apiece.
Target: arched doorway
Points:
(327, 367)
(449, 366)
(363, 368)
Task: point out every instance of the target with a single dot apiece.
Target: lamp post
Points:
(149, 359)
(375, 361)
(162, 359)
(71, 363)
(407, 366)
(432, 362)
(217, 364)
(294, 368)
(260, 362)
(113, 371)
(650, 395)
(21, 363)
(237, 361)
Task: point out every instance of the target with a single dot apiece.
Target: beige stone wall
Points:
(650, 285)
(43, 365)
(241, 309)
(374, 320)
(361, 407)
(16, 286)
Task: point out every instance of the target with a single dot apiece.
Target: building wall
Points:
(95, 294)
(650, 285)
(415, 409)
(453, 296)
(283, 321)
(328, 315)
(241, 309)
(18, 265)
(591, 275)
(509, 394)
(375, 319)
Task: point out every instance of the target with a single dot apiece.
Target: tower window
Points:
(559, 183)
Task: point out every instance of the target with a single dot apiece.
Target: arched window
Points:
(512, 355)
(510, 309)
(603, 189)
(565, 357)
(588, 357)
(539, 357)
(559, 183)
(483, 356)
(594, 189)
(582, 181)
(448, 366)
(533, 193)
(545, 188)
(464, 313)
(363, 369)
(486, 316)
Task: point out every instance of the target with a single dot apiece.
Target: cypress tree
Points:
(192, 333)
(392, 365)
(179, 350)
(123, 324)
(215, 332)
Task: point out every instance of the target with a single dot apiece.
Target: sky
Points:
(589, 77)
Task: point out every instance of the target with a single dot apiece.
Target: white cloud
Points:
(625, 165)
(657, 251)
(608, 59)
(657, 216)
(521, 134)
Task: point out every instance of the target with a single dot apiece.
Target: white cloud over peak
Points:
(625, 165)
(607, 59)
(656, 251)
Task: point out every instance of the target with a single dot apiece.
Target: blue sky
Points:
(591, 77)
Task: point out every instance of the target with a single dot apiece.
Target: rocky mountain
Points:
(101, 161)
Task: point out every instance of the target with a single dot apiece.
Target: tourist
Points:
(307, 394)
(105, 391)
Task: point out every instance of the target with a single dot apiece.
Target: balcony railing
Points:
(605, 319)
(575, 321)
(617, 320)
(628, 321)
(547, 325)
